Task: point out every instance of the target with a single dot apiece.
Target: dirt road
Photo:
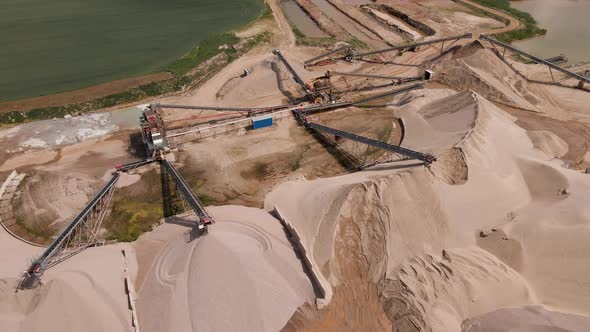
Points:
(513, 24)
(286, 38)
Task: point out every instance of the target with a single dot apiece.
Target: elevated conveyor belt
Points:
(324, 55)
(371, 142)
(536, 59)
(223, 108)
(390, 93)
(375, 76)
(404, 47)
(79, 234)
(301, 112)
(187, 194)
(296, 76)
(133, 165)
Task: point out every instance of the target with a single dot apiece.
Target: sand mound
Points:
(481, 70)
(430, 292)
(451, 167)
(389, 227)
(440, 121)
(527, 319)
(242, 276)
(70, 192)
(548, 142)
(241, 87)
(544, 182)
(83, 293)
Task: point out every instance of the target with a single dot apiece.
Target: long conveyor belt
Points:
(403, 47)
(296, 76)
(365, 140)
(188, 194)
(79, 234)
(537, 59)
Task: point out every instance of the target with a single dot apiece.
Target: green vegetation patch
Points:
(204, 51)
(484, 13)
(530, 25)
(357, 43)
(302, 40)
(266, 12)
(136, 208)
(37, 229)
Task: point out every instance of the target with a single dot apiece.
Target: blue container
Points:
(262, 122)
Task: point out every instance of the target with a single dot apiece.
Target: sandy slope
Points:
(405, 219)
(242, 276)
(527, 319)
(496, 222)
(84, 293)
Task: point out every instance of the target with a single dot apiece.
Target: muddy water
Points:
(126, 118)
(301, 20)
(349, 25)
(567, 23)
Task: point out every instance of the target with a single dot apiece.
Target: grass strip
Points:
(529, 30)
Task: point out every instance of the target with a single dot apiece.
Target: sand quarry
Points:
(493, 236)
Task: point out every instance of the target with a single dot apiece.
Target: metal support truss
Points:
(188, 196)
(406, 153)
(296, 76)
(133, 165)
(411, 46)
(223, 108)
(324, 55)
(582, 79)
(79, 234)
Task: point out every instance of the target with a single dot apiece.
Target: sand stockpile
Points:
(527, 319)
(242, 276)
(479, 69)
(549, 143)
(443, 251)
(83, 293)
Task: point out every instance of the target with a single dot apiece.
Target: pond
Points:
(568, 27)
(60, 45)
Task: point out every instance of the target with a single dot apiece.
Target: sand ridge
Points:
(414, 204)
(245, 268)
(398, 246)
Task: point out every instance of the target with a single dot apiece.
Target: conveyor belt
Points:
(382, 77)
(365, 140)
(78, 235)
(390, 93)
(188, 194)
(323, 55)
(78, 219)
(302, 112)
(291, 70)
(537, 59)
(224, 108)
(134, 164)
(403, 47)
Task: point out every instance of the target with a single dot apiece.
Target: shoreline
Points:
(174, 78)
(528, 25)
(78, 100)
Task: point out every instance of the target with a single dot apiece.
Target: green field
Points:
(61, 45)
